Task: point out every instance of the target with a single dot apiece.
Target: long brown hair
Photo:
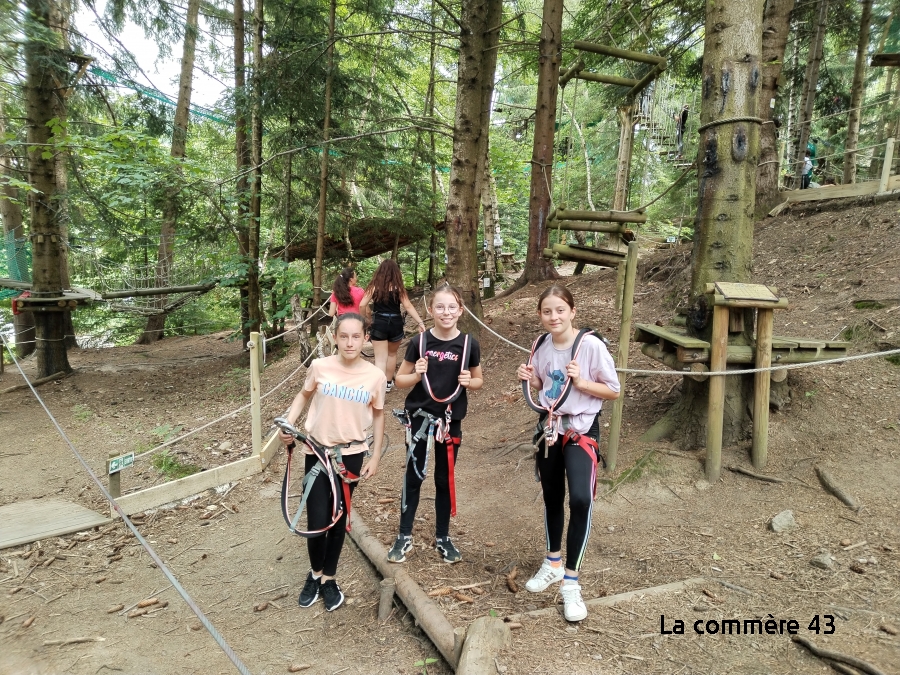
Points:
(387, 283)
(341, 287)
(558, 291)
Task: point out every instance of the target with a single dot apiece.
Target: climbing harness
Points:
(550, 423)
(551, 430)
(330, 461)
(433, 428)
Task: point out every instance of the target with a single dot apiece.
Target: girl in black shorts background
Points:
(384, 298)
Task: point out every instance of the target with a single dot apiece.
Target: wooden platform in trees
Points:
(368, 237)
(886, 59)
(836, 192)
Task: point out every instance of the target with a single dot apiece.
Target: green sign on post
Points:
(116, 464)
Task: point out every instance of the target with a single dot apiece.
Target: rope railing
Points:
(744, 371)
(225, 647)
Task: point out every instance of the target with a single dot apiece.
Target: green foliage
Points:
(893, 359)
(868, 304)
(166, 432)
(81, 412)
(282, 280)
(424, 663)
(171, 467)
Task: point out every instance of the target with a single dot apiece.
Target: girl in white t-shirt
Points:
(346, 396)
(572, 391)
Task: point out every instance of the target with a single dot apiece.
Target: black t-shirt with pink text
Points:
(444, 364)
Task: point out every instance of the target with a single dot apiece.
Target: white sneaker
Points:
(544, 577)
(574, 608)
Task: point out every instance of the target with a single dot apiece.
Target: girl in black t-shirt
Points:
(384, 297)
(450, 365)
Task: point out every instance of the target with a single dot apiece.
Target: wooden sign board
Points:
(756, 292)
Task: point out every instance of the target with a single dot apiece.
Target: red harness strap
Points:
(452, 444)
(346, 479)
(590, 446)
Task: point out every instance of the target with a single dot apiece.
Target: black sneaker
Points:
(390, 386)
(332, 595)
(447, 550)
(401, 547)
(310, 592)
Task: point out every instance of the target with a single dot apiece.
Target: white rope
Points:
(230, 414)
(527, 351)
(746, 371)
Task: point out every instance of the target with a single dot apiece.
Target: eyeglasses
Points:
(450, 309)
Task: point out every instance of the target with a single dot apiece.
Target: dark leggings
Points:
(573, 465)
(325, 550)
(438, 467)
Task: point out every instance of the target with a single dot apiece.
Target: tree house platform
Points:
(886, 60)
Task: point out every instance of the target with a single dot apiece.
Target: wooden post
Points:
(386, 599)
(886, 166)
(615, 425)
(115, 479)
(255, 414)
(718, 356)
(760, 447)
(620, 284)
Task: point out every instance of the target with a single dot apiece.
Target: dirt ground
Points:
(656, 520)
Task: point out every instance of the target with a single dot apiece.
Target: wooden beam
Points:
(269, 450)
(695, 371)
(189, 485)
(572, 71)
(602, 216)
(654, 72)
(598, 257)
(886, 60)
(615, 52)
(886, 165)
(256, 357)
(645, 332)
(836, 192)
(761, 383)
(615, 425)
(716, 408)
(601, 78)
(588, 226)
(743, 354)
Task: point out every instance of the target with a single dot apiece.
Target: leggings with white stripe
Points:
(572, 465)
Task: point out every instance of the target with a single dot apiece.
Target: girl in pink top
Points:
(345, 294)
(569, 456)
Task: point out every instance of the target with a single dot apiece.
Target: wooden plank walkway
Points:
(35, 519)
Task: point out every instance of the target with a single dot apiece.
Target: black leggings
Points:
(437, 465)
(573, 465)
(325, 550)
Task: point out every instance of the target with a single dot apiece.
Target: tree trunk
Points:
(59, 22)
(165, 255)
(432, 243)
(254, 299)
(242, 154)
(810, 82)
(491, 226)
(323, 177)
(856, 93)
(11, 215)
(792, 100)
(776, 27)
(45, 65)
(729, 154)
(623, 161)
(538, 268)
(474, 89)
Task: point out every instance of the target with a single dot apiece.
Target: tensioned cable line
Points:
(229, 652)
(682, 373)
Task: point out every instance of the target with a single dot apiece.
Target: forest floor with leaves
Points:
(656, 521)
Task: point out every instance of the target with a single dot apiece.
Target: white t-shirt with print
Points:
(596, 365)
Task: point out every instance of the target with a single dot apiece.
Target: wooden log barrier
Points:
(615, 52)
(761, 382)
(602, 216)
(591, 257)
(718, 359)
(423, 608)
(486, 636)
(589, 226)
(386, 598)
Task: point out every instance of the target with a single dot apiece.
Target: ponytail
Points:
(341, 287)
